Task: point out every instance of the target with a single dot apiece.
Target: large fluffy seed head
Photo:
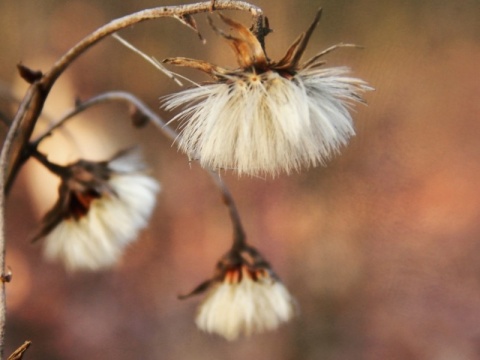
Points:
(267, 116)
(97, 239)
(245, 303)
(267, 123)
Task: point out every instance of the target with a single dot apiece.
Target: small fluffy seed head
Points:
(101, 209)
(244, 296)
(246, 301)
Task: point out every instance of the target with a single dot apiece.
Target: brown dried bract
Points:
(251, 55)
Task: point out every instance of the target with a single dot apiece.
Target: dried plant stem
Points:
(32, 104)
(111, 96)
(144, 110)
(2, 257)
(18, 354)
(239, 238)
(13, 153)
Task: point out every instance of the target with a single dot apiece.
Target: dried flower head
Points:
(244, 297)
(101, 208)
(266, 116)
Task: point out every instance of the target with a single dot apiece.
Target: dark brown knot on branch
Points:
(6, 278)
(29, 75)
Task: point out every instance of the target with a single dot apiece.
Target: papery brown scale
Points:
(253, 275)
(233, 276)
(51, 219)
(296, 50)
(286, 61)
(204, 66)
(305, 39)
(80, 203)
(248, 49)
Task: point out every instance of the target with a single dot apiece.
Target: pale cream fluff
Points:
(266, 117)
(269, 125)
(243, 305)
(97, 239)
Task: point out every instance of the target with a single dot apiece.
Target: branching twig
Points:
(122, 96)
(13, 153)
(32, 104)
(118, 96)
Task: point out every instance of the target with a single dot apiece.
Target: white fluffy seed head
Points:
(266, 117)
(250, 305)
(97, 239)
(267, 123)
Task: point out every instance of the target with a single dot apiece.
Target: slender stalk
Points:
(239, 237)
(33, 102)
(14, 150)
(3, 304)
(3, 311)
(54, 168)
(111, 96)
(128, 98)
(18, 354)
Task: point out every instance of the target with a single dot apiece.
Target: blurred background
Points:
(381, 248)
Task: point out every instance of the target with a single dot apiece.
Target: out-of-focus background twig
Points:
(380, 248)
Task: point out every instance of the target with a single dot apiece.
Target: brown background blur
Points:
(381, 248)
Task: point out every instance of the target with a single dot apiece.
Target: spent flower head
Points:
(266, 116)
(100, 210)
(244, 297)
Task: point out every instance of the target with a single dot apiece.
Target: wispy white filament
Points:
(244, 308)
(98, 239)
(268, 123)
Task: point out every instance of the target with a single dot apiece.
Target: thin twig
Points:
(122, 96)
(115, 96)
(18, 354)
(32, 104)
(239, 237)
(13, 153)
(156, 64)
(2, 262)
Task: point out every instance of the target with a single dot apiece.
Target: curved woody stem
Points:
(14, 150)
(112, 96)
(239, 237)
(32, 104)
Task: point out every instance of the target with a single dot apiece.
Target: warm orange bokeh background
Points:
(381, 248)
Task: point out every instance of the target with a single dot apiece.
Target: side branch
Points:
(111, 96)
(15, 148)
(140, 107)
(32, 104)
(148, 14)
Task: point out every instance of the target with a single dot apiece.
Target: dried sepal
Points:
(246, 46)
(204, 66)
(314, 60)
(296, 50)
(200, 289)
(189, 21)
(55, 216)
